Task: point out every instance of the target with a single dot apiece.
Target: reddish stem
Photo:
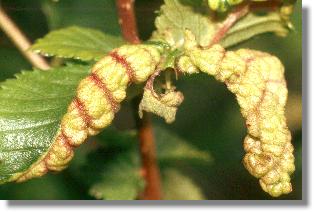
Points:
(265, 5)
(127, 20)
(238, 13)
(150, 169)
(231, 19)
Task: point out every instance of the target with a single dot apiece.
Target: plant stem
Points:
(238, 13)
(20, 41)
(127, 20)
(150, 169)
(231, 19)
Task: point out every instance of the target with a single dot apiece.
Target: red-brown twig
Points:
(20, 41)
(150, 169)
(238, 13)
(265, 5)
(231, 19)
(127, 20)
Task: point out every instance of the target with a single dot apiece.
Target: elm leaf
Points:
(178, 15)
(31, 107)
(78, 43)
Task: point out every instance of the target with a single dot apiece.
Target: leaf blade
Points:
(171, 147)
(28, 125)
(77, 42)
(178, 15)
(180, 186)
(115, 184)
(252, 25)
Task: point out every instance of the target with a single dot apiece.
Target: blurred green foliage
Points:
(210, 120)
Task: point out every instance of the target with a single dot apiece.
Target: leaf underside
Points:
(252, 25)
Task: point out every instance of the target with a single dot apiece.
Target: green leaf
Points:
(177, 186)
(113, 138)
(252, 25)
(78, 43)
(114, 174)
(31, 107)
(170, 147)
(178, 15)
(175, 17)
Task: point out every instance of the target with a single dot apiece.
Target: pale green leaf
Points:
(119, 177)
(175, 17)
(78, 43)
(31, 107)
(177, 186)
(252, 25)
(113, 172)
(170, 147)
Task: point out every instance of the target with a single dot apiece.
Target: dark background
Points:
(209, 118)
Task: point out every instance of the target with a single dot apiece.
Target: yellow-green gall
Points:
(257, 80)
(97, 99)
